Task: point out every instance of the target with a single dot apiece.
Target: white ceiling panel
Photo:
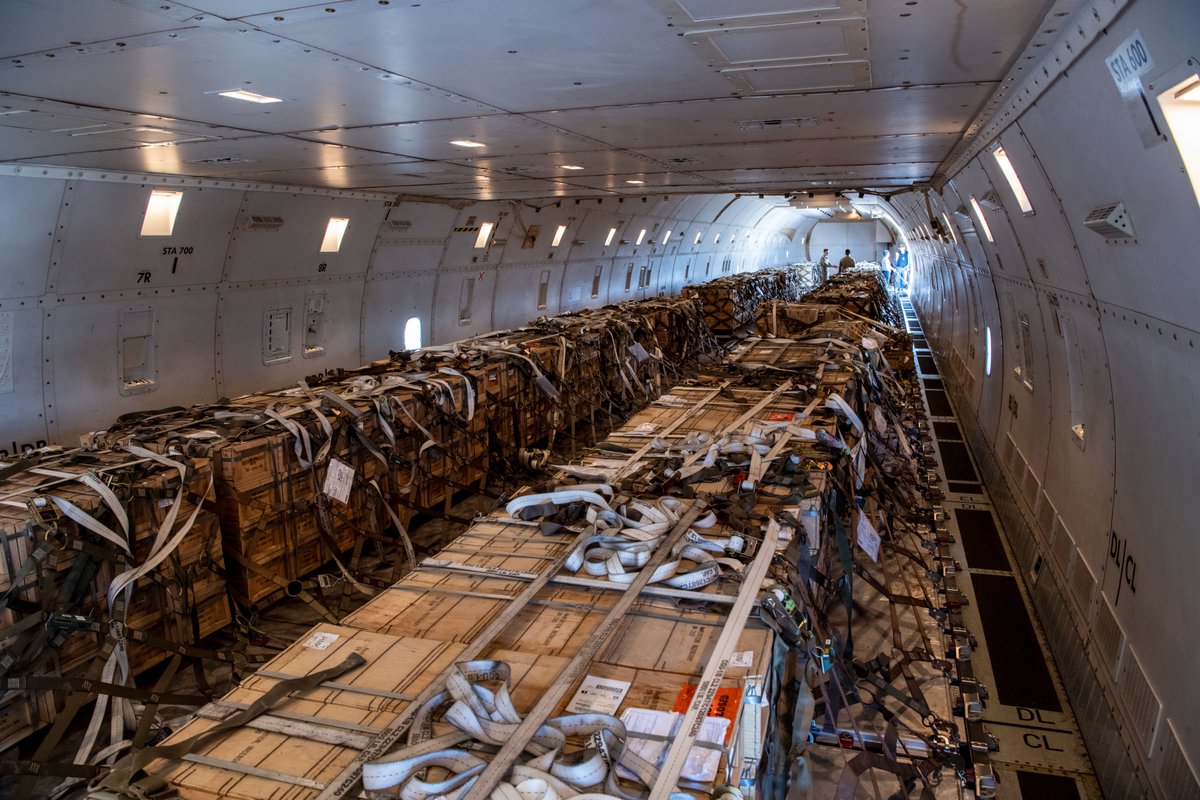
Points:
(501, 135)
(689, 96)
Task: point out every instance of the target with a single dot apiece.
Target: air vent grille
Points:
(1108, 636)
(767, 124)
(991, 200)
(1141, 706)
(1176, 776)
(1110, 221)
(263, 223)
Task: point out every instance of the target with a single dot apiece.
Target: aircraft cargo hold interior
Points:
(633, 399)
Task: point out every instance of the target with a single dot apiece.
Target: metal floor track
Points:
(1042, 754)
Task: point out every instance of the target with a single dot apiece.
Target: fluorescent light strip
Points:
(571, 166)
(161, 209)
(608, 239)
(641, 236)
(1014, 182)
(983, 223)
(666, 237)
(467, 143)
(250, 97)
(558, 235)
(635, 182)
(334, 232)
(485, 233)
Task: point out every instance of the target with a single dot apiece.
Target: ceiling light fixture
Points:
(571, 166)
(250, 97)
(467, 143)
(635, 182)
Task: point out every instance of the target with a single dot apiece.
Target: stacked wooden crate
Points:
(729, 303)
(65, 542)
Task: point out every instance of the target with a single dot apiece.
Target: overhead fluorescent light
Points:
(334, 232)
(161, 209)
(641, 236)
(250, 97)
(699, 236)
(608, 239)
(666, 236)
(558, 234)
(571, 166)
(635, 182)
(467, 143)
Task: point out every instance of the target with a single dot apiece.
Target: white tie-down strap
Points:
(488, 716)
(584, 493)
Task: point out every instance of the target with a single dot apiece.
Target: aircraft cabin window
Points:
(161, 209)
(544, 286)
(983, 223)
(628, 276)
(596, 279)
(412, 334)
(1181, 107)
(1014, 182)
(334, 231)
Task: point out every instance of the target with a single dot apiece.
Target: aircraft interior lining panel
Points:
(280, 236)
(1149, 579)
(1119, 166)
(27, 227)
(122, 354)
(24, 353)
(94, 255)
(1046, 237)
(388, 302)
(275, 333)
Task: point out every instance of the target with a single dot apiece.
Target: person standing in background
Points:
(824, 264)
(902, 268)
(846, 263)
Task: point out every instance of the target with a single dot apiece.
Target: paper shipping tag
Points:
(726, 704)
(745, 658)
(321, 640)
(868, 539)
(638, 351)
(598, 696)
(338, 480)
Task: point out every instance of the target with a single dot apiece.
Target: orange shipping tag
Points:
(726, 704)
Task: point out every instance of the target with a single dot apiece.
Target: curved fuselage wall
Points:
(97, 320)
(1089, 407)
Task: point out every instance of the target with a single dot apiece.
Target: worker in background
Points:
(824, 264)
(901, 265)
(846, 263)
